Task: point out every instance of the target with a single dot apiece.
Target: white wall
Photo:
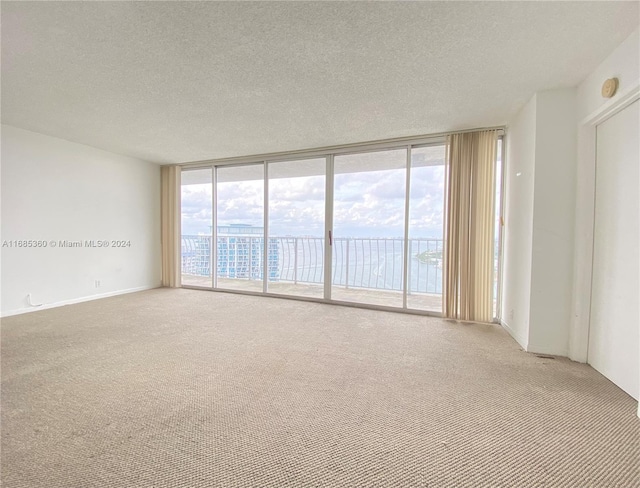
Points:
(553, 222)
(55, 190)
(539, 211)
(624, 64)
(547, 281)
(518, 214)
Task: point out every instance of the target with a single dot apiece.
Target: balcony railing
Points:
(370, 263)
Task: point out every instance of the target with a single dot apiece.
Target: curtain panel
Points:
(469, 226)
(170, 225)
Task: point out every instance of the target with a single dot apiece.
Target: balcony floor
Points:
(420, 301)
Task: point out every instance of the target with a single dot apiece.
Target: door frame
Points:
(585, 220)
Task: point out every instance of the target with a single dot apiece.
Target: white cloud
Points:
(367, 204)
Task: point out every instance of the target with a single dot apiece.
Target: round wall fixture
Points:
(609, 87)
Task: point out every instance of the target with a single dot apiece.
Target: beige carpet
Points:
(184, 388)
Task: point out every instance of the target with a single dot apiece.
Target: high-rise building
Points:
(240, 254)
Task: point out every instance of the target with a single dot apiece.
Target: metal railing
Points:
(371, 263)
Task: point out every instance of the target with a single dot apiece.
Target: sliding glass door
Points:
(296, 226)
(368, 227)
(497, 292)
(425, 228)
(196, 204)
(240, 228)
(365, 228)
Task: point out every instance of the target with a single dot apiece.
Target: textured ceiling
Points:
(176, 82)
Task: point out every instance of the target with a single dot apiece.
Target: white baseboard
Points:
(536, 349)
(76, 300)
(531, 347)
(523, 341)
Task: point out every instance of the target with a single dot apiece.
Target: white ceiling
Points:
(178, 81)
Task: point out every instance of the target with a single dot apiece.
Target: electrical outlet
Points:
(97, 283)
(511, 314)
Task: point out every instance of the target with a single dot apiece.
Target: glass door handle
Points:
(330, 239)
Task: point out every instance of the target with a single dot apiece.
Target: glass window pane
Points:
(296, 227)
(368, 242)
(498, 226)
(240, 212)
(426, 227)
(196, 202)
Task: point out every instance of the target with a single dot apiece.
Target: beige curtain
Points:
(170, 215)
(469, 226)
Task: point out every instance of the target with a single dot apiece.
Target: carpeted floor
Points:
(185, 388)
